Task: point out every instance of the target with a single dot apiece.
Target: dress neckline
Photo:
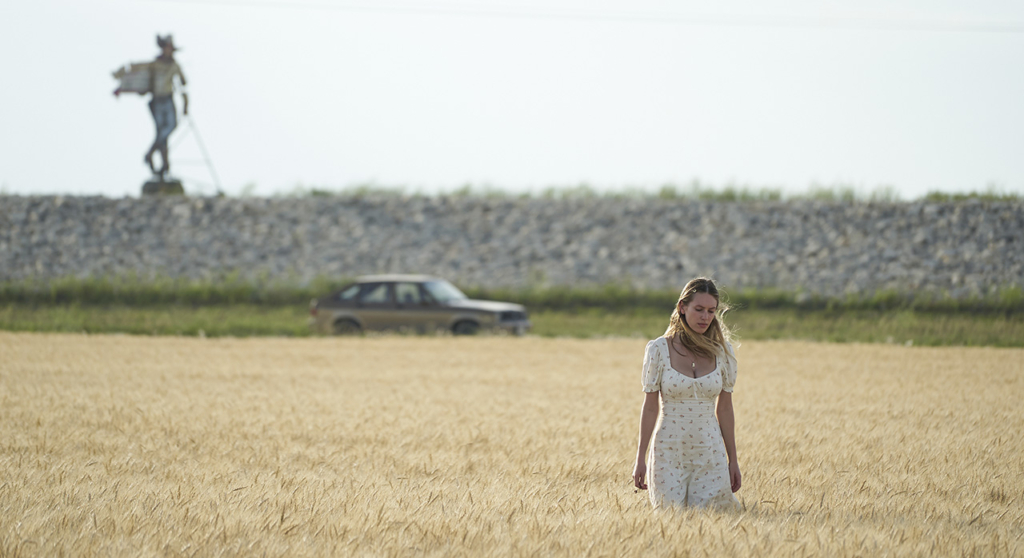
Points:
(668, 362)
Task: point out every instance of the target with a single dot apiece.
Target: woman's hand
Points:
(734, 476)
(640, 475)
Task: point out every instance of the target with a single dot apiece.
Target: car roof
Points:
(395, 277)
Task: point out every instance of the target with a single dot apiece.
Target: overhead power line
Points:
(516, 12)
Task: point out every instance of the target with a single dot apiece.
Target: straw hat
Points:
(165, 41)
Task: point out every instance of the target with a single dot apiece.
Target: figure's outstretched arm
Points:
(184, 93)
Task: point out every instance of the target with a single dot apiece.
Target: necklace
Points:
(693, 362)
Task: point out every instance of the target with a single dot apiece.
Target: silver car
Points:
(415, 303)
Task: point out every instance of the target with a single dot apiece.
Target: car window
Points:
(408, 294)
(443, 291)
(349, 293)
(374, 294)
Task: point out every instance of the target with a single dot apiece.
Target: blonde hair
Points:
(714, 339)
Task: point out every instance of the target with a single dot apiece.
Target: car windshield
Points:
(443, 291)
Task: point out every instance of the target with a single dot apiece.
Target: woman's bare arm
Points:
(727, 421)
(648, 418)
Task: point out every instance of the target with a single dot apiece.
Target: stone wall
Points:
(828, 248)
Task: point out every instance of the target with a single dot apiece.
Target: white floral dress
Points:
(688, 464)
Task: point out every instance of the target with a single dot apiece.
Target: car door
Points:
(439, 315)
(375, 305)
(412, 310)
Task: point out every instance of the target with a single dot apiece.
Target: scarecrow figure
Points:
(158, 78)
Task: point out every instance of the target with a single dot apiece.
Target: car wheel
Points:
(465, 327)
(347, 327)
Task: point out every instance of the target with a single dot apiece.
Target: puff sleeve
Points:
(653, 364)
(729, 370)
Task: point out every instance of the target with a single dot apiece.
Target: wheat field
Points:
(491, 446)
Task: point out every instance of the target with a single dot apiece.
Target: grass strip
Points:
(233, 290)
(904, 326)
(239, 320)
(244, 320)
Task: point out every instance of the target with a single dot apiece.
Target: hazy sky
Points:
(920, 95)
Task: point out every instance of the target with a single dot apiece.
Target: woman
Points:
(693, 461)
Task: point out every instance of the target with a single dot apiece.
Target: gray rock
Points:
(830, 249)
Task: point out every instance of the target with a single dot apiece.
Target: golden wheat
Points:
(491, 446)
